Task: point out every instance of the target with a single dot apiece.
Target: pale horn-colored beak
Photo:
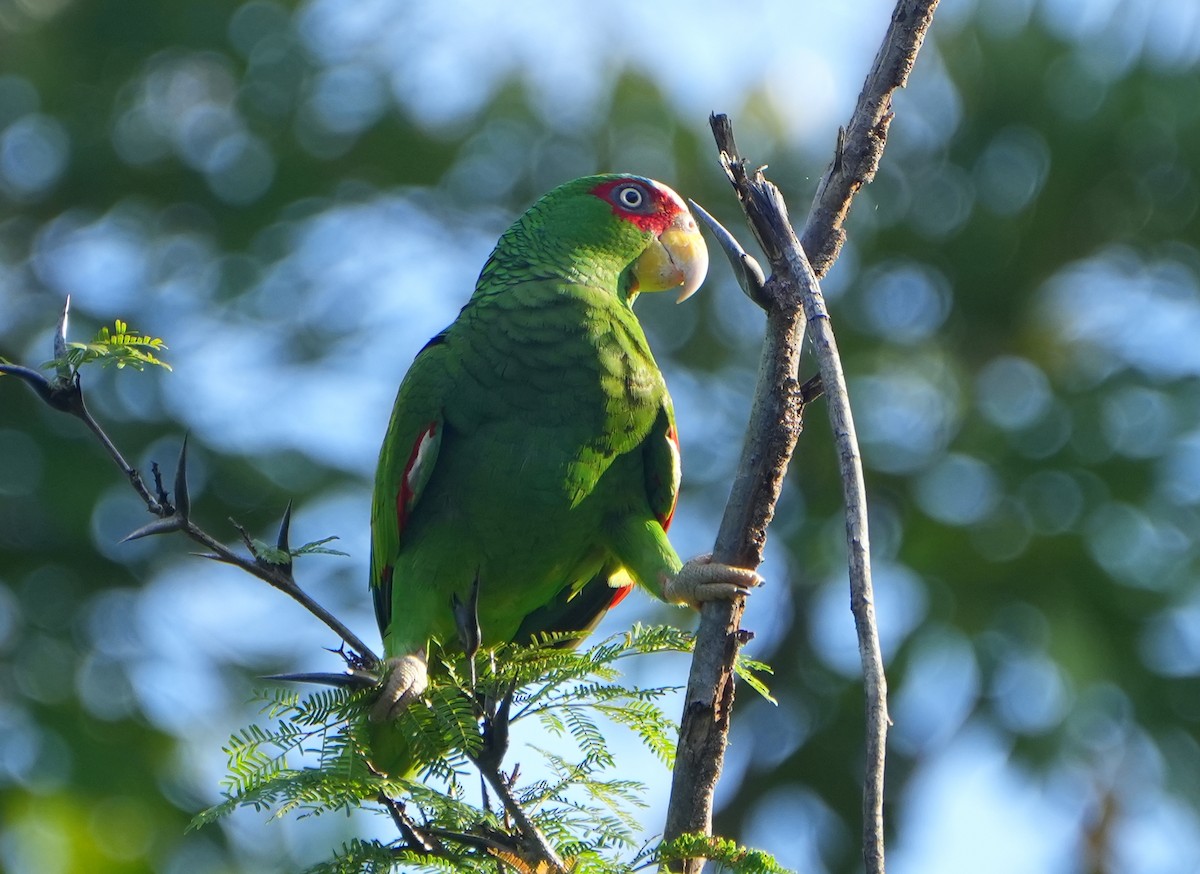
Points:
(677, 259)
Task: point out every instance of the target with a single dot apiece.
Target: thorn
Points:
(350, 680)
(281, 542)
(183, 503)
(746, 268)
(212, 556)
(158, 526)
(34, 380)
(60, 341)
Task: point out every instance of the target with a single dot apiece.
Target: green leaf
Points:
(118, 346)
(317, 547)
(748, 671)
(274, 555)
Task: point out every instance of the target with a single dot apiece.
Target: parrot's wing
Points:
(579, 609)
(661, 463)
(406, 461)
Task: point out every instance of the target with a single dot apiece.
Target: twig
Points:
(531, 834)
(862, 598)
(280, 577)
(430, 840)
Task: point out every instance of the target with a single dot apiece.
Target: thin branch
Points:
(530, 833)
(862, 596)
(280, 577)
(430, 840)
(412, 834)
(65, 394)
(860, 144)
(793, 296)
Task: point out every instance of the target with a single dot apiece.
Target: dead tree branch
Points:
(792, 298)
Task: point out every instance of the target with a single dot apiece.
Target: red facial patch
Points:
(655, 214)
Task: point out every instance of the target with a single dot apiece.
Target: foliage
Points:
(726, 853)
(315, 758)
(120, 347)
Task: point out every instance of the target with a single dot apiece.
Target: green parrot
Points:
(532, 447)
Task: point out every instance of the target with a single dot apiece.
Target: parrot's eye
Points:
(631, 196)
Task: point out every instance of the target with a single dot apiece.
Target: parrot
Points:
(532, 452)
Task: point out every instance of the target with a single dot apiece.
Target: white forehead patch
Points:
(670, 194)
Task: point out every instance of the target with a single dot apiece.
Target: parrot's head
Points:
(618, 230)
(674, 254)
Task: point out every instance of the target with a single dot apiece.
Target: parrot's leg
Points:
(407, 678)
(701, 579)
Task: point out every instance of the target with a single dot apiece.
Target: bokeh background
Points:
(297, 195)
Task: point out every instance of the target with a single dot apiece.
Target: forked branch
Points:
(793, 301)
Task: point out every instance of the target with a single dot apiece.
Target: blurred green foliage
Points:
(295, 198)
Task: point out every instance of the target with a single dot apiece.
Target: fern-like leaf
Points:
(729, 854)
(312, 756)
(118, 346)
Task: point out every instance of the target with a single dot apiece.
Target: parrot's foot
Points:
(701, 579)
(406, 679)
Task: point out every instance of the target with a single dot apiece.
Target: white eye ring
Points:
(631, 197)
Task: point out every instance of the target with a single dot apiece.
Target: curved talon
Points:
(407, 678)
(701, 579)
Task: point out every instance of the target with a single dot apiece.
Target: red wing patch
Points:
(676, 471)
(417, 470)
(619, 596)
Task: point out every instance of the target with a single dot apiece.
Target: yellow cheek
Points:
(655, 271)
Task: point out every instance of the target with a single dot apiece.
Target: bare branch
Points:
(862, 598)
(860, 144)
(792, 297)
(774, 427)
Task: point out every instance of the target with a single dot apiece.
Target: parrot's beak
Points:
(677, 259)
